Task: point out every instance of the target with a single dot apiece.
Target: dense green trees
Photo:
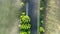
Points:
(24, 25)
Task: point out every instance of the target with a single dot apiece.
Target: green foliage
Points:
(25, 26)
(25, 19)
(28, 32)
(41, 21)
(41, 17)
(24, 23)
(41, 8)
(21, 4)
(42, 29)
(23, 33)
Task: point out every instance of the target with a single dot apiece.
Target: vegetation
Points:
(41, 17)
(24, 24)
